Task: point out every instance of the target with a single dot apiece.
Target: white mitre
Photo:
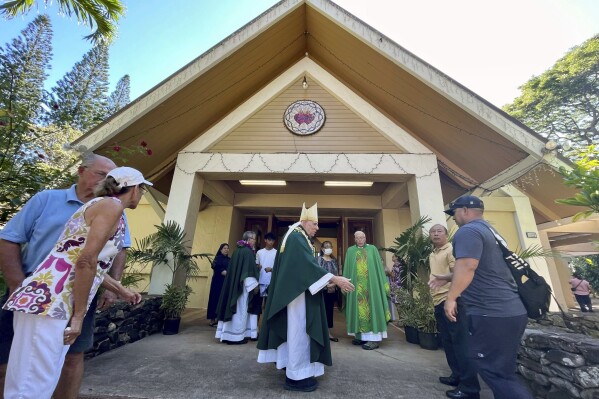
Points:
(309, 214)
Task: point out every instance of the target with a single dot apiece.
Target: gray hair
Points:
(248, 234)
(89, 158)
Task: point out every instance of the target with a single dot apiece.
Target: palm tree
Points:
(413, 247)
(101, 14)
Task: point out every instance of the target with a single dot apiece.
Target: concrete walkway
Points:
(193, 364)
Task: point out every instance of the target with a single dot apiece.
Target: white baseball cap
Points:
(128, 177)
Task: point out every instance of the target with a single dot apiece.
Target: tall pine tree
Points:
(120, 96)
(23, 65)
(80, 98)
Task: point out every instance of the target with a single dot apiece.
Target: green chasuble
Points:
(295, 270)
(367, 308)
(241, 266)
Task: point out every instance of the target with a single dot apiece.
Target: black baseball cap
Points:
(467, 201)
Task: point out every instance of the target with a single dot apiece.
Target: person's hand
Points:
(268, 269)
(330, 288)
(451, 310)
(343, 283)
(223, 273)
(436, 282)
(129, 296)
(106, 299)
(73, 330)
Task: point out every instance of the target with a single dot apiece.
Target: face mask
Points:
(328, 251)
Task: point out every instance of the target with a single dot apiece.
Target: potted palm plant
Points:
(414, 248)
(168, 246)
(407, 314)
(424, 314)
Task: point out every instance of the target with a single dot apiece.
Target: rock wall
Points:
(559, 357)
(123, 323)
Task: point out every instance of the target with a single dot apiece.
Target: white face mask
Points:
(328, 251)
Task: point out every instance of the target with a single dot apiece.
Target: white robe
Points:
(295, 353)
(242, 324)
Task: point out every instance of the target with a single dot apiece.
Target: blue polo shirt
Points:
(38, 226)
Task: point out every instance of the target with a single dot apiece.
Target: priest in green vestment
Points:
(235, 323)
(367, 308)
(294, 332)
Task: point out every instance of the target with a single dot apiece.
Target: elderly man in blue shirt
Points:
(26, 240)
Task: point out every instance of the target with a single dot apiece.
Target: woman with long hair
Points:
(219, 265)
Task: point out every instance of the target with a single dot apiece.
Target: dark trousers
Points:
(329, 304)
(584, 301)
(455, 338)
(494, 343)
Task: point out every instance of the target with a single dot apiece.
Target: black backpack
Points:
(534, 291)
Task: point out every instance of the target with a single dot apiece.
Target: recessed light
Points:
(348, 183)
(263, 182)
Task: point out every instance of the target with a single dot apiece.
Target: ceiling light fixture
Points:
(263, 182)
(305, 83)
(348, 183)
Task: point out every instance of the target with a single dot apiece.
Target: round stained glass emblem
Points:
(304, 117)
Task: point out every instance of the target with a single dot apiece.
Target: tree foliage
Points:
(102, 15)
(120, 96)
(563, 102)
(585, 177)
(35, 125)
(24, 169)
(80, 98)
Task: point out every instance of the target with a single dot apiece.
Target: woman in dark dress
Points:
(219, 265)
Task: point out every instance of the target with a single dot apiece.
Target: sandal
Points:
(334, 339)
(370, 345)
(213, 324)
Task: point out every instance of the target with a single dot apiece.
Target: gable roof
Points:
(475, 142)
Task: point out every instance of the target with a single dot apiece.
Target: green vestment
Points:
(241, 266)
(367, 308)
(295, 270)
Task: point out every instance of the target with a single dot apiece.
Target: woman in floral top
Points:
(327, 261)
(50, 304)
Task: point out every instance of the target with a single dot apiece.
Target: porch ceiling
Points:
(182, 107)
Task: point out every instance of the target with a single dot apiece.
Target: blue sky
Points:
(491, 47)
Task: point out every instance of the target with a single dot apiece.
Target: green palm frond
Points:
(102, 15)
(537, 251)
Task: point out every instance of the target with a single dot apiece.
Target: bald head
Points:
(93, 169)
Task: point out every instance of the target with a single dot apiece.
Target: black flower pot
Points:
(411, 334)
(428, 341)
(171, 326)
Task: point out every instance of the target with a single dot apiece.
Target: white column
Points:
(426, 198)
(530, 236)
(183, 206)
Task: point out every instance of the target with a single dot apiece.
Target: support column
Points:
(548, 267)
(426, 198)
(183, 205)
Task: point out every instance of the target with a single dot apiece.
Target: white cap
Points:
(128, 177)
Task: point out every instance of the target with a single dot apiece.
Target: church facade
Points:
(306, 103)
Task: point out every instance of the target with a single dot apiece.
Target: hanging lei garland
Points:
(301, 230)
(243, 243)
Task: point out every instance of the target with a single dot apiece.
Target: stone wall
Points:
(559, 356)
(582, 323)
(123, 323)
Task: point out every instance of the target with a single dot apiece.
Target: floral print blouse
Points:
(49, 289)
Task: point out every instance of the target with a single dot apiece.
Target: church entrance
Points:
(339, 230)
